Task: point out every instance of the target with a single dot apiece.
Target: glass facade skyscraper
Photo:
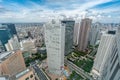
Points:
(69, 29)
(11, 27)
(5, 35)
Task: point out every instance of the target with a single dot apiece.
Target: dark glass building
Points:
(30, 35)
(11, 27)
(69, 29)
(5, 35)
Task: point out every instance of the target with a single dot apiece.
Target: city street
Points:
(39, 72)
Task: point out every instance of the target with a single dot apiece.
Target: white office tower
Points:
(95, 32)
(55, 44)
(13, 44)
(107, 61)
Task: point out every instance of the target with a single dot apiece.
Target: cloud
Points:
(35, 12)
(92, 3)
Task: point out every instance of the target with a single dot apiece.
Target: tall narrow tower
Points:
(55, 42)
(84, 33)
(69, 29)
(95, 32)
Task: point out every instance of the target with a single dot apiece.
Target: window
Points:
(31, 76)
(115, 72)
(27, 78)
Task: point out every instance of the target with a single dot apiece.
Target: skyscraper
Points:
(11, 27)
(76, 33)
(107, 61)
(84, 34)
(55, 44)
(69, 29)
(95, 32)
(5, 35)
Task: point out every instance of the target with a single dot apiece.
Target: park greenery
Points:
(81, 60)
(33, 57)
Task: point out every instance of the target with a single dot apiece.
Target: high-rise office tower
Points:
(55, 44)
(11, 27)
(76, 33)
(95, 32)
(5, 35)
(107, 61)
(84, 34)
(13, 44)
(11, 63)
(69, 29)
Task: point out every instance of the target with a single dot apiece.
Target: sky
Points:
(107, 11)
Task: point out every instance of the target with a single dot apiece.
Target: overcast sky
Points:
(44, 10)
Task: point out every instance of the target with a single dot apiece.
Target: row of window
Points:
(31, 76)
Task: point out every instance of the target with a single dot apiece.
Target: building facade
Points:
(28, 45)
(26, 74)
(76, 33)
(55, 44)
(5, 35)
(95, 32)
(1, 47)
(84, 34)
(11, 27)
(11, 63)
(69, 30)
(13, 44)
(107, 61)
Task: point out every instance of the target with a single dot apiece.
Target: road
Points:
(77, 69)
(39, 72)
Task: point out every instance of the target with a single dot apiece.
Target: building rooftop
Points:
(20, 74)
(112, 32)
(67, 20)
(5, 77)
(5, 55)
(27, 40)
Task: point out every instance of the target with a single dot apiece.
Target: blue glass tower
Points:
(5, 35)
(11, 27)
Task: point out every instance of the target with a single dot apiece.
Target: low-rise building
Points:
(5, 77)
(11, 63)
(28, 45)
(26, 74)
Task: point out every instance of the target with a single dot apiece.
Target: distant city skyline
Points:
(107, 11)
